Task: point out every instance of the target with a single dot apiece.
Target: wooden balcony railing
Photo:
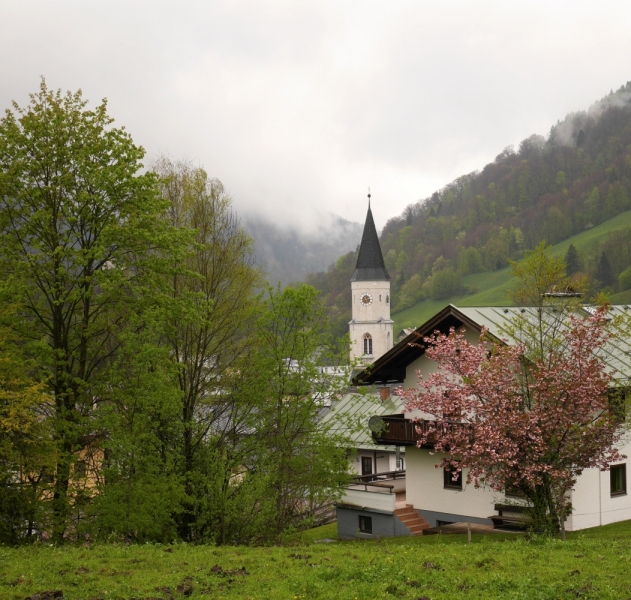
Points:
(398, 431)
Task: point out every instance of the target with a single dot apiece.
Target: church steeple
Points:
(370, 265)
(370, 325)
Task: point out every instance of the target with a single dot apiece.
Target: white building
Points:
(599, 497)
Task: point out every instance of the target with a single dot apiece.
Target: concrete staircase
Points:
(411, 519)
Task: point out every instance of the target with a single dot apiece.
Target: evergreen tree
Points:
(604, 273)
(572, 261)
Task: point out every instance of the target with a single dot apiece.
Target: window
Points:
(379, 297)
(387, 298)
(450, 482)
(367, 343)
(512, 491)
(618, 478)
(618, 403)
(365, 524)
(46, 476)
(366, 465)
(80, 469)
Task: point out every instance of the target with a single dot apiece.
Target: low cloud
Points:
(299, 107)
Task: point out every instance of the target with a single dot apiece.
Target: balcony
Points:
(396, 430)
(379, 491)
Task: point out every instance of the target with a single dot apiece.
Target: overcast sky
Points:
(298, 107)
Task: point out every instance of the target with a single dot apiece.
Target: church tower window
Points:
(367, 344)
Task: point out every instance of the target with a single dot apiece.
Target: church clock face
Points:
(366, 299)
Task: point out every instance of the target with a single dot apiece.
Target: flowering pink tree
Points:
(529, 425)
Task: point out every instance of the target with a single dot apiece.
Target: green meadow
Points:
(492, 289)
(594, 563)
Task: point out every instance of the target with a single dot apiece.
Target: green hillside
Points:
(574, 184)
(493, 287)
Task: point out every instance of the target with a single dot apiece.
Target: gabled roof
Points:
(391, 367)
(370, 265)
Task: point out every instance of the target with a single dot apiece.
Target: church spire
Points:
(370, 265)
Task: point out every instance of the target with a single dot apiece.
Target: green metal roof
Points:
(497, 320)
(616, 354)
(350, 416)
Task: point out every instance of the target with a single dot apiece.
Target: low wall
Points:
(359, 498)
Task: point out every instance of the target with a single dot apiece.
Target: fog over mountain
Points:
(288, 254)
(302, 105)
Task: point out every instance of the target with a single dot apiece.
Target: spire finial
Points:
(368, 196)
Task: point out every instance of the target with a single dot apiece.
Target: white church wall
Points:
(373, 318)
(379, 308)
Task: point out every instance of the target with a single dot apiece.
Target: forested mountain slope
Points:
(287, 255)
(493, 288)
(548, 189)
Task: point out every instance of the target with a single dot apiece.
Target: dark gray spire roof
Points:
(370, 265)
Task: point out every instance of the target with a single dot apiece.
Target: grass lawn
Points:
(492, 288)
(594, 563)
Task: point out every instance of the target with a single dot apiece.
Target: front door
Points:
(366, 465)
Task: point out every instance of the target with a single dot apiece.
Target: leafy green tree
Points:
(138, 491)
(390, 260)
(411, 292)
(82, 249)
(269, 462)
(445, 283)
(542, 284)
(27, 455)
(560, 179)
(470, 261)
(537, 273)
(214, 310)
(572, 261)
(305, 462)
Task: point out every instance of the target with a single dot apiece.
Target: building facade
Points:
(599, 497)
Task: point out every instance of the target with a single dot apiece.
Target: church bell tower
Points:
(371, 328)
